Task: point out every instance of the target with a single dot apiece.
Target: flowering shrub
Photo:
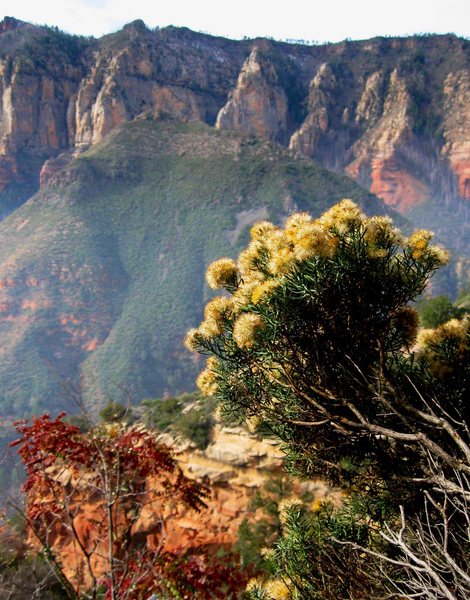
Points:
(316, 342)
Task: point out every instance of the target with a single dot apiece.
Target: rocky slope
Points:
(392, 113)
(156, 150)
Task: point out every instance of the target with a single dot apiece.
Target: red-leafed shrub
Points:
(87, 491)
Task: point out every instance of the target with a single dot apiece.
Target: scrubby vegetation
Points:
(141, 214)
(189, 416)
(316, 342)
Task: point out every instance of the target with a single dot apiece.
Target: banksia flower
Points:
(440, 255)
(296, 222)
(264, 289)
(277, 590)
(454, 330)
(407, 322)
(282, 260)
(311, 240)
(219, 308)
(419, 242)
(254, 584)
(210, 328)
(380, 234)
(249, 261)
(242, 296)
(206, 380)
(193, 339)
(267, 553)
(286, 505)
(260, 231)
(246, 328)
(444, 346)
(222, 273)
(342, 216)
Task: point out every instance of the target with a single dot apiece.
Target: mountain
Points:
(392, 113)
(101, 272)
(128, 163)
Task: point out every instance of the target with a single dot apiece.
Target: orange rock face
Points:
(457, 128)
(258, 104)
(234, 466)
(362, 117)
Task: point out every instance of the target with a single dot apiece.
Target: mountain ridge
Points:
(392, 113)
(101, 272)
(156, 151)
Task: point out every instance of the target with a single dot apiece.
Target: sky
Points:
(313, 21)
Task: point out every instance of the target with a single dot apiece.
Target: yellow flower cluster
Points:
(246, 328)
(253, 584)
(276, 589)
(285, 505)
(342, 217)
(222, 273)
(192, 339)
(273, 251)
(263, 289)
(207, 381)
(429, 342)
(419, 243)
(454, 330)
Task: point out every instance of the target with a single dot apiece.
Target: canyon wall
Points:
(391, 113)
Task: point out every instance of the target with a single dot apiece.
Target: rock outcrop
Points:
(323, 87)
(234, 466)
(393, 114)
(377, 153)
(258, 104)
(456, 130)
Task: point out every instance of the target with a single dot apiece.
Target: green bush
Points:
(188, 415)
(317, 343)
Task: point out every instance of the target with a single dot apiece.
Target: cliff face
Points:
(139, 193)
(391, 113)
(257, 104)
(234, 466)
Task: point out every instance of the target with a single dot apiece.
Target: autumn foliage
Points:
(118, 470)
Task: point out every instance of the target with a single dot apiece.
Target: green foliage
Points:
(315, 556)
(292, 287)
(188, 415)
(262, 532)
(317, 342)
(436, 311)
(141, 215)
(114, 412)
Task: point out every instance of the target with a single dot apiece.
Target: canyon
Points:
(129, 162)
(392, 113)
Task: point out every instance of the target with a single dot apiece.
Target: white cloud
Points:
(312, 20)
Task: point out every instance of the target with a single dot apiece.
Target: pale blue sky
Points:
(319, 20)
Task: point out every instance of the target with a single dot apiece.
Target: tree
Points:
(115, 412)
(316, 343)
(116, 471)
(437, 311)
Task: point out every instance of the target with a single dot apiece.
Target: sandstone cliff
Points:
(392, 113)
(257, 104)
(234, 466)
